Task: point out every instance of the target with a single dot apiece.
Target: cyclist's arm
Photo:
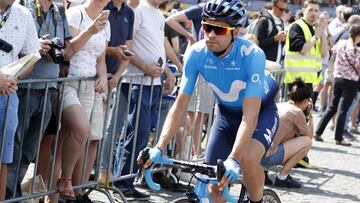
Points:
(251, 109)
(251, 102)
(174, 120)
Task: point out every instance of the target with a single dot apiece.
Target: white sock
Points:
(282, 177)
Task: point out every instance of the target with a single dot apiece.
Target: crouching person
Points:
(295, 119)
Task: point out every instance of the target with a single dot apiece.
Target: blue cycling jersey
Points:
(238, 75)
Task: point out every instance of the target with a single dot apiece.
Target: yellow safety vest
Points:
(305, 66)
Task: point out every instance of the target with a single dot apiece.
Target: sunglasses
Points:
(283, 10)
(218, 30)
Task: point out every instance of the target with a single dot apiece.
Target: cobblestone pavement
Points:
(334, 178)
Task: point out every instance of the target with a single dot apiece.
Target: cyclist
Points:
(247, 117)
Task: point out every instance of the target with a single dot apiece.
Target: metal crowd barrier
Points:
(49, 190)
(117, 112)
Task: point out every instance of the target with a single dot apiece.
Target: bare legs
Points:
(89, 163)
(200, 118)
(77, 126)
(295, 149)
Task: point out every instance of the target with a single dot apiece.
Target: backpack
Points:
(252, 26)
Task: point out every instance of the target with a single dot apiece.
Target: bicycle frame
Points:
(201, 185)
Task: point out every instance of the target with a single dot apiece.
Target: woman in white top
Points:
(79, 96)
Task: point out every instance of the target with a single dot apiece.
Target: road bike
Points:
(204, 174)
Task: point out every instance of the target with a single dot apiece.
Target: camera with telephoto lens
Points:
(55, 52)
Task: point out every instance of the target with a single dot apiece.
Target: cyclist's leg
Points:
(253, 175)
(221, 139)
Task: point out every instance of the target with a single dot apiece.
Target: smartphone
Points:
(128, 53)
(105, 13)
(160, 62)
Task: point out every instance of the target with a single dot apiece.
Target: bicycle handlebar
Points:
(205, 169)
(147, 173)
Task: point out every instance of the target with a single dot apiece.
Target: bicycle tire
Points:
(270, 196)
(182, 200)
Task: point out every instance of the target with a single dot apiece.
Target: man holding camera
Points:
(17, 38)
(34, 114)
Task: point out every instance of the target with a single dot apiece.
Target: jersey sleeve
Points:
(191, 72)
(255, 65)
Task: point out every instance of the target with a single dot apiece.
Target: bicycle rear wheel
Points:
(182, 200)
(270, 196)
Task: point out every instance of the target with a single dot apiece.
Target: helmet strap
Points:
(219, 53)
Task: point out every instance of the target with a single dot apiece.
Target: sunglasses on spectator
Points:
(218, 30)
(283, 10)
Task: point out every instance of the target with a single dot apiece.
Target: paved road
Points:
(335, 177)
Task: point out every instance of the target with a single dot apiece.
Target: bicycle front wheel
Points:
(270, 196)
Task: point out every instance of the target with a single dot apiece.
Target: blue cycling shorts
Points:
(224, 129)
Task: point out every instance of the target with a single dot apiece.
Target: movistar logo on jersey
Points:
(233, 94)
(270, 133)
(245, 51)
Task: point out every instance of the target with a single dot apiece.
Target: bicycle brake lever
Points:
(220, 169)
(142, 159)
(144, 155)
